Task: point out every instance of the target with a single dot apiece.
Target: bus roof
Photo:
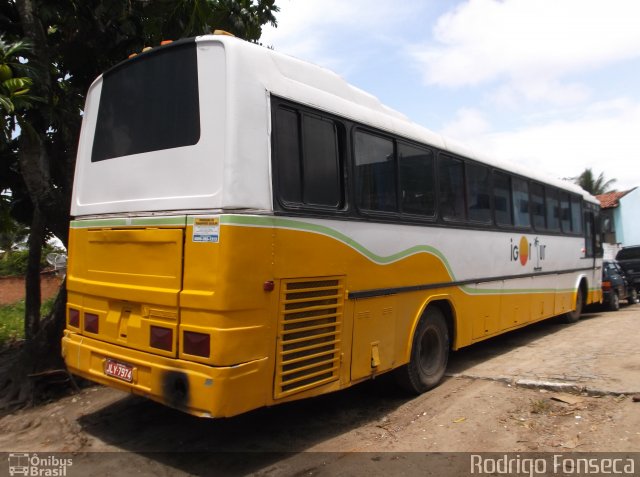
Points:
(319, 87)
(222, 159)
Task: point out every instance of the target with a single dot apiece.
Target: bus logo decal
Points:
(521, 251)
(524, 250)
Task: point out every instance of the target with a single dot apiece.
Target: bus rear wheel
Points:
(429, 353)
(574, 315)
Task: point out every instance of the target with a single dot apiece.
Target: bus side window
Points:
(451, 188)
(592, 231)
(553, 216)
(537, 207)
(307, 160)
(588, 233)
(375, 172)
(417, 180)
(321, 162)
(576, 215)
(502, 198)
(287, 154)
(479, 193)
(597, 232)
(520, 196)
(565, 213)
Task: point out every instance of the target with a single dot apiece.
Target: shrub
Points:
(15, 263)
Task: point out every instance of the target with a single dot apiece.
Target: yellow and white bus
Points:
(249, 229)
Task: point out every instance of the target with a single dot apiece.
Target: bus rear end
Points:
(157, 302)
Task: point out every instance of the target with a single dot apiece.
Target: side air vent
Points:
(309, 329)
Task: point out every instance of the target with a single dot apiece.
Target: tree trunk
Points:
(32, 279)
(42, 353)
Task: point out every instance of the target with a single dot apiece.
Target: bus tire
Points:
(574, 315)
(429, 354)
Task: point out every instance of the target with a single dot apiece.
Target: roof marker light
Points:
(222, 32)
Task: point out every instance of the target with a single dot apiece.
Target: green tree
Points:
(11, 231)
(593, 185)
(15, 84)
(71, 42)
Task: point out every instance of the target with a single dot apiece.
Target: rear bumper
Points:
(195, 388)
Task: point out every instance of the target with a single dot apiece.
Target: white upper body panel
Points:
(229, 167)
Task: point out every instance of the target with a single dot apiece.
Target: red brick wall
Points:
(12, 288)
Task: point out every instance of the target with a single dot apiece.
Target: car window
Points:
(628, 253)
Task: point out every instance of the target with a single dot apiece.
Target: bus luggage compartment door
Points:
(125, 284)
(373, 336)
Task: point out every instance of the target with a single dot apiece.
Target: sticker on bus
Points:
(206, 229)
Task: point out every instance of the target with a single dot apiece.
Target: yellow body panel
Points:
(274, 302)
(192, 387)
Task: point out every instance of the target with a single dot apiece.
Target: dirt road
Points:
(547, 388)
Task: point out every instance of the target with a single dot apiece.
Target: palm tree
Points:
(594, 186)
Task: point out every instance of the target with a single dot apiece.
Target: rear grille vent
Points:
(309, 329)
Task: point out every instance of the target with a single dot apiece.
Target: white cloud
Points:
(537, 89)
(531, 44)
(468, 124)
(322, 31)
(511, 52)
(605, 138)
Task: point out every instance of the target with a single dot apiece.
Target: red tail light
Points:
(91, 321)
(74, 318)
(197, 344)
(606, 285)
(161, 338)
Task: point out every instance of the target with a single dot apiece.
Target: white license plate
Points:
(118, 370)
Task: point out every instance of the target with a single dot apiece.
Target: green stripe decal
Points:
(268, 221)
(323, 230)
(278, 222)
(129, 222)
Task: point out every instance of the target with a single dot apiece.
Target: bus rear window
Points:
(149, 104)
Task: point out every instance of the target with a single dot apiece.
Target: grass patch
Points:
(540, 406)
(12, 320)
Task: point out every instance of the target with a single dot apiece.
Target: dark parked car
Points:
(616, 286)
(629, 260)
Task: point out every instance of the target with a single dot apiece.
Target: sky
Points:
(550, 84)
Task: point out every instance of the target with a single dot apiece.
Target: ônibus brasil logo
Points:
(523, 251)
(23, 463)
